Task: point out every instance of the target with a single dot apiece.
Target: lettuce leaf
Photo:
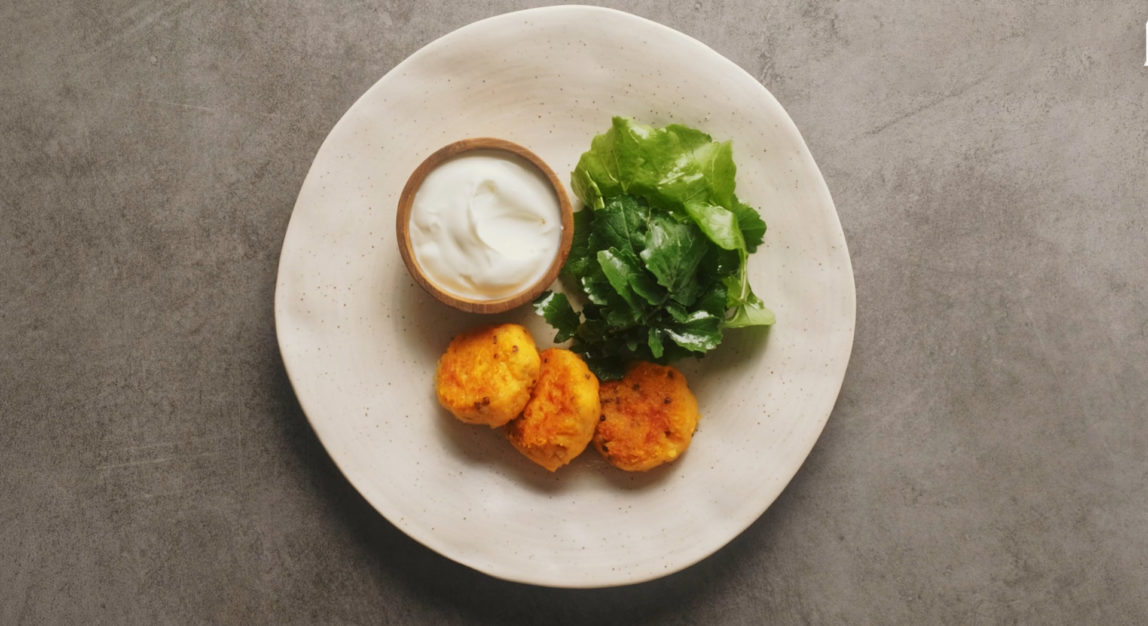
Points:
(660, 249)
(668, 167)
(556, 309)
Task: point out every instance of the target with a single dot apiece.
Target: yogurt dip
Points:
(485, 225)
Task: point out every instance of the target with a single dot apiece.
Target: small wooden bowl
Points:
(403, 222)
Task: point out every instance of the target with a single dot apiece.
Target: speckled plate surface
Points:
(360, 340)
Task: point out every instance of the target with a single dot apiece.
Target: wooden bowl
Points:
(403, 221)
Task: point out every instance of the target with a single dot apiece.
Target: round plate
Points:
(360, 340)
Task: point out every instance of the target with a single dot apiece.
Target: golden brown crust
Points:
(486, 375)
(558, 422)
(648, 417)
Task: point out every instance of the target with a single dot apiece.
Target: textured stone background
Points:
(986, 461)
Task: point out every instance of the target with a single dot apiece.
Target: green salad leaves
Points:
(660, 249)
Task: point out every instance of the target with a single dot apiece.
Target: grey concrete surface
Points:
(986, 461)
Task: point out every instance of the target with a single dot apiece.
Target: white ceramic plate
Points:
(360, 340)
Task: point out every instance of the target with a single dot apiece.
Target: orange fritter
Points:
(486, 375)
(648, 417)
(559, 420)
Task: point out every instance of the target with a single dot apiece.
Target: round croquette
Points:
(648, 417)
(558, 422)
(486, 375)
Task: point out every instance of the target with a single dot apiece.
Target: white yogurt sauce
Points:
(485, 225)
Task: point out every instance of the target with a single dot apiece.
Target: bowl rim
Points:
(406, 201)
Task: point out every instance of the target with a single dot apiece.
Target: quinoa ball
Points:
(648, 417)
(559, 420)
(486, 375)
